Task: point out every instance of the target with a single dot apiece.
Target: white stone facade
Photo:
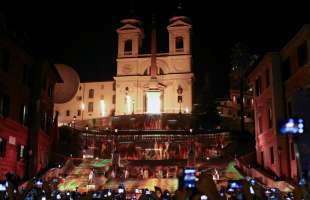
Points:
(80, 108)
(174, 70)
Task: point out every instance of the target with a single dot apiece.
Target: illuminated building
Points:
(26, 110)
(156, 82)
(281, 91)
(91, 100)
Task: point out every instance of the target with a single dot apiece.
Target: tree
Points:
(205, 112)
(241, 61)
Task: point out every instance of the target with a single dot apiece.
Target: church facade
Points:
(158, 82)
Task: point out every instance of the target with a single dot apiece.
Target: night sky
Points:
(83, 35)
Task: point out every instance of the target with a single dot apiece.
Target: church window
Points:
(128, 47)
(179, 43)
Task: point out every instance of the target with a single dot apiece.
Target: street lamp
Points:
(74, 118)
(114, 142)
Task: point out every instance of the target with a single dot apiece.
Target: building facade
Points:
(158, 82)
(26, 110)
(92, 100)
(281, 82)
(230, 107)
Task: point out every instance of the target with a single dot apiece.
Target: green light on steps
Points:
(232, 172)
(69, 186)
(101, 163)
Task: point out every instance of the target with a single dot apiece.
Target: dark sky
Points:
(83, 35)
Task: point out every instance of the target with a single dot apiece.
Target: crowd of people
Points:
(204, 188)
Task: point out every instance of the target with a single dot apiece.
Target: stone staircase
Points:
(78, 177)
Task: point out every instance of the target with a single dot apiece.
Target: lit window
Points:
(129, 104)
(20, 152)
(153, 102)
(90, 106)
(91, 93)
(186, 110)
(23, 114)
(82, 106)
(102, 108)
(234, 99)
